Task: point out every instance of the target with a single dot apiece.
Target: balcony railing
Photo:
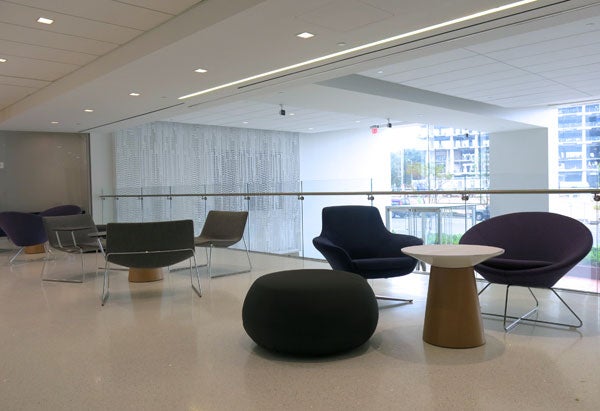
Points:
(285, 222)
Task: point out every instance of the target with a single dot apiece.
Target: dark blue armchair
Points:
(355, 239)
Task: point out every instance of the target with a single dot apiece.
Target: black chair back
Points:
(151, 244)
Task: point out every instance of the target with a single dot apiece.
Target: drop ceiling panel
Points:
(170, 6)
(423, 62)
(557, 65)
(531, 50)
(344, 15)
(116, 12)
(55, 40)
(65, 24)
(29, 68)
(22, 82)
(13, 48)
(549, 58)
(466, 64)
(543, 36)
(9, 93)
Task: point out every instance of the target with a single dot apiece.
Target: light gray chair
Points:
(74, 234)
(223, 229)
(150, 245)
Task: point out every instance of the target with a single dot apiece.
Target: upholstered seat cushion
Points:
(310, 312)
(384, 264)
(514, 264)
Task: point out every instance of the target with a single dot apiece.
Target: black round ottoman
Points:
(310, 312)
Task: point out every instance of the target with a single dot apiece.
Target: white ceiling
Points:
(480, 74)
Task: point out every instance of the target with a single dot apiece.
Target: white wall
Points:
(349, 160)
(102, 175)
(519, 161)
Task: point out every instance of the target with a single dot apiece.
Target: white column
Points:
(519, 160)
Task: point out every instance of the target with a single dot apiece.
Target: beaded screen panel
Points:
(173, 158)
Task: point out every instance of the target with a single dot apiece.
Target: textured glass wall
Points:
(174, 158)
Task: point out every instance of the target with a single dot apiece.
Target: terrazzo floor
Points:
(157, 346)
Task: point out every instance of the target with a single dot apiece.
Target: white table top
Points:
(452, 255)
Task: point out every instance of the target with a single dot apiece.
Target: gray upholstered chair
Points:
(223, 229)
(150, 245)
(74, 234)
(539, 249)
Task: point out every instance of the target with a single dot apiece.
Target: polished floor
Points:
(157, 346)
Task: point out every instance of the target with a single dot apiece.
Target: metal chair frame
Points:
(209, 250)
(525, 316)
(106, 282)
(72, 248)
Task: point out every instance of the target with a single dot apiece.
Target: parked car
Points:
(482, 212)
(398, 201)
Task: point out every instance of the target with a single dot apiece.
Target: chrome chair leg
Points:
(105, 285)
(65, 280)
(198, 289)
(388, 298)
(209, 258)
(525, 316)
(16, 255)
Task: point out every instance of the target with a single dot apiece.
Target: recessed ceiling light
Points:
(3, 60)
(341, 44)
(292, 114)
(54, 122)
(380, 72)
(305, 35)
(200, 70)
(134, 94)
(310, 128)
(344, 52)
(45, 20)
(245, 122)
(88, 110)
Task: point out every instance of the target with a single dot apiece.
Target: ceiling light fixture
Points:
(54, 122)
(364, 46)
(3, 60)
(305, 35)
(200, 70)
(45, 20)
(88, 110)
(134, 94)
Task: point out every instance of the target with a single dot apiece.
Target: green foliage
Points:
(594, 256)
(444, 238)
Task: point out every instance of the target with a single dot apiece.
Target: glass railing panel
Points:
(286, 221)
(192, 207)
(129, 205)
(156, 208)
(275, 221)
(586, 275)
(434, 218)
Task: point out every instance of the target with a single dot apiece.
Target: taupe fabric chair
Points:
(74, 234)
(223, 229)
(150, 245)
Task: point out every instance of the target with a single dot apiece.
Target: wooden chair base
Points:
(144, 275)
